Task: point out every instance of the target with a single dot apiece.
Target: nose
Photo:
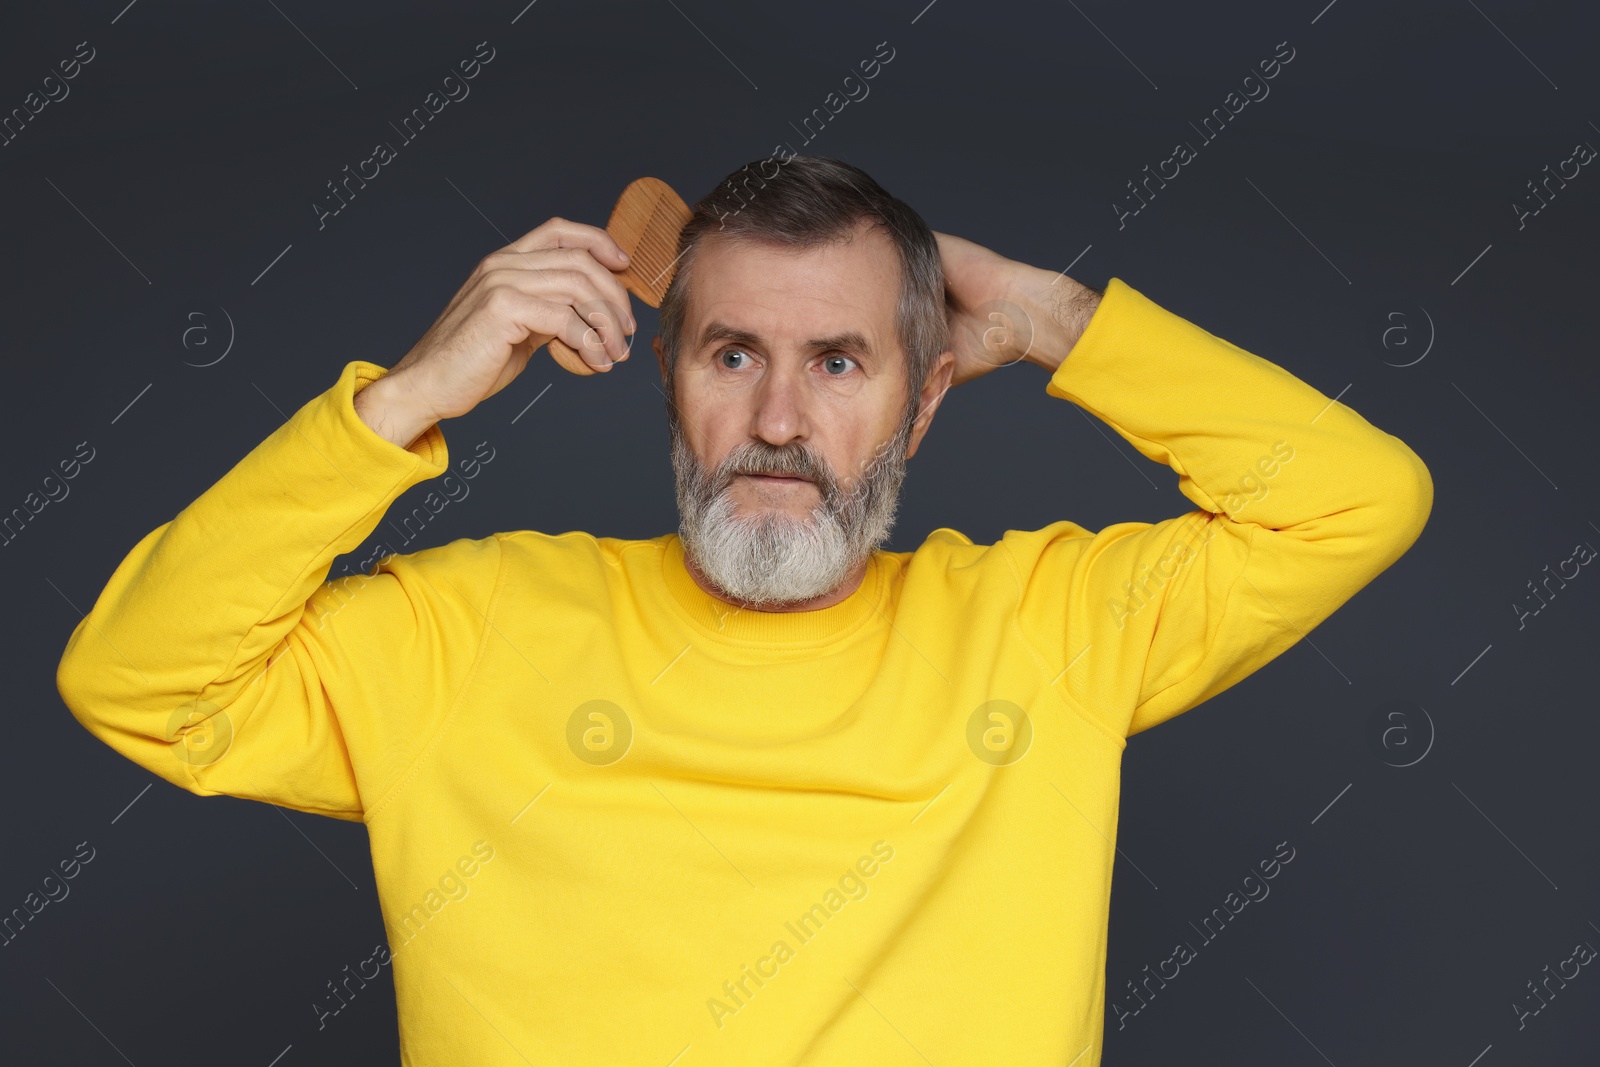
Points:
(779, 413)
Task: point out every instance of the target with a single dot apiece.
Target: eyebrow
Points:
(851, 341)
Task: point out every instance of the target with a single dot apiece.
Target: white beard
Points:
(774, 558)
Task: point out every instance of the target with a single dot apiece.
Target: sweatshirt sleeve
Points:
(219, 657)
(1300, 503)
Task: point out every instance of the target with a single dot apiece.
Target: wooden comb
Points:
(646, 222)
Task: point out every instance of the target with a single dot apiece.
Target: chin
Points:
(798, 514)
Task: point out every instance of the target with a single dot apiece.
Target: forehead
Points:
(790, 295)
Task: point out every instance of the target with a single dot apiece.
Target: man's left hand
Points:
(1002, 311)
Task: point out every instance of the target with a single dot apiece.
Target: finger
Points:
(528, 322)
(599, 320)
(605, 329)
(584, 287)
(583, 338)
(606, 284)
(564, 233)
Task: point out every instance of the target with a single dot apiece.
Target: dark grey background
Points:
(1377, 179)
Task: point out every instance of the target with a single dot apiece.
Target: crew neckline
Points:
(719, 620)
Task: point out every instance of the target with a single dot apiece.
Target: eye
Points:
(833, 360)
(729, 352)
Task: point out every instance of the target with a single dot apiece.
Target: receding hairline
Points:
(863, 225)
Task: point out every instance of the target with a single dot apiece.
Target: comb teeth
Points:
(654, 238)
(652, 247)
(655, 257)
(647, 220)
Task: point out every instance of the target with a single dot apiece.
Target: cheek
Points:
(898, 416)
(711, 427)
(867, 458)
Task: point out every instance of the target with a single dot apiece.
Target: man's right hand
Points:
(554, 281)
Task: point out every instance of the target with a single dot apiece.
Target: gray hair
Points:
(805, 202)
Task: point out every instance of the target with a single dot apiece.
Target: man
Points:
(759, 792)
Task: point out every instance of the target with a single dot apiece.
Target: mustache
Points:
(793, 465)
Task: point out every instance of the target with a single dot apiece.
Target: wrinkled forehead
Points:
(788, 296)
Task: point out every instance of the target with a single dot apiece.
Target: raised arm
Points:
(218, 656)
(1300, 503)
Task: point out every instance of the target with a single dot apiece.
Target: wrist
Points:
(392, 408)
(1060, 309)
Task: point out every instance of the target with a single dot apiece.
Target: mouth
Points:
(777, 479)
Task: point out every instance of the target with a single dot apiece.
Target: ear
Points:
(661, 359)
(933, 390)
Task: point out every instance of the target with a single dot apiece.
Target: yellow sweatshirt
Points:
(615, 820)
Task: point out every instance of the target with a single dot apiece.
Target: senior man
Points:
(759, 791)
